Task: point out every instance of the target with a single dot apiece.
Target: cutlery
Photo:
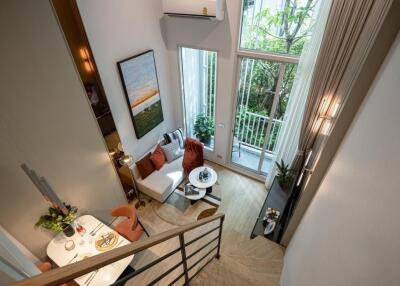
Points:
(91, 277)
(93, 234)
(93, 230)
(72, 259)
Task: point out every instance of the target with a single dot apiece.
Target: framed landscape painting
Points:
(140, 83)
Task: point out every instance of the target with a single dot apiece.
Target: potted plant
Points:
(204, 128)
(284, 175)
(57, 221)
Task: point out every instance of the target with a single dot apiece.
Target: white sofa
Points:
(160, 184)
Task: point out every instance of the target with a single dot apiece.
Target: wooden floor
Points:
(241, 258)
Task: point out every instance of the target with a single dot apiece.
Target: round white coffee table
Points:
(194, 179)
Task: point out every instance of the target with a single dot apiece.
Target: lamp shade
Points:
(126, 160)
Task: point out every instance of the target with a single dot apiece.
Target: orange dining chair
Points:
(131, 228)
(46, 267)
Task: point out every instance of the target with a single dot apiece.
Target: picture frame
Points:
(140, 83)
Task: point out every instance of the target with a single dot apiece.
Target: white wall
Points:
(350, 234)
(120, 30)
(216, 36)
(46, 121)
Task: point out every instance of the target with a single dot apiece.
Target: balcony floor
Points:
(250, 159)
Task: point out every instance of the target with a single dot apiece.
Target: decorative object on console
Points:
(172, 151)
(193, 156)
(139, 79)
(158, 157)
(272, 214)
(204, 128)
(284, 175)
(275, 200)
(127, 160)
(270, 219)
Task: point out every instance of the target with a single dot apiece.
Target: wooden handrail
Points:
(69, 272)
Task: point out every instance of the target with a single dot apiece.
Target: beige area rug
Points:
(178, 210)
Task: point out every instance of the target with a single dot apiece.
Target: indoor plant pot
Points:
(284, 175)
(204, 129)
(206, 140)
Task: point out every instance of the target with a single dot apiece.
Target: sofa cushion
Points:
(176, 135)
(172, 151)
(158, 157)
(145, 166)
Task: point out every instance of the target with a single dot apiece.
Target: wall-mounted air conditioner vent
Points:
(205, 9)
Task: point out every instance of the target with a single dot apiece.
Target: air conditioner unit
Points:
(205, 9)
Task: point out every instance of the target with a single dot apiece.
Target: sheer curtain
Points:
(289, 136)
(192, 87)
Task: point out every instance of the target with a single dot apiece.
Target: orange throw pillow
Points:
(145, 166)
(158, 157)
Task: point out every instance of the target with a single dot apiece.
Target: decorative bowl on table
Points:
(106, 241)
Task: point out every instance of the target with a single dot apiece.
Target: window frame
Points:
(240, 54)
(182, 90)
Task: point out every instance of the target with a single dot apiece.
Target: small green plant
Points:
(204, 128)
(56, 220)
(284, 175)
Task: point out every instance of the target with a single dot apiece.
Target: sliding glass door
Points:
(198, 84)
(263, 92)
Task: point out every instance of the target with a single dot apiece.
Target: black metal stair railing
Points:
(184, 258)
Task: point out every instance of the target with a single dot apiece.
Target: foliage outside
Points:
(56, 221)
(279, 28)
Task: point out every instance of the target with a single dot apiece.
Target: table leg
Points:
(209, 190)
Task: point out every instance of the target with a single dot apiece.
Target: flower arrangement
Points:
(56, 220)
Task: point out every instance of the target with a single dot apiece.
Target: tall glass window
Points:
(277, 26)
(273, 34)
(198, 80)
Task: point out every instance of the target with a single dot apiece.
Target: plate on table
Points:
(106, 241)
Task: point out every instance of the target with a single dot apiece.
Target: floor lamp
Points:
(127, 160)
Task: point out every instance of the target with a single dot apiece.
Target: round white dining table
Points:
(85, 247)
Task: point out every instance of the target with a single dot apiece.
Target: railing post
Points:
(221, 223)
(184, 261)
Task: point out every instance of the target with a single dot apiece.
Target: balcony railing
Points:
(251, 130)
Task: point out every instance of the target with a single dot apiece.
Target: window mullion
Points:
(282, 67)
(268, 56)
